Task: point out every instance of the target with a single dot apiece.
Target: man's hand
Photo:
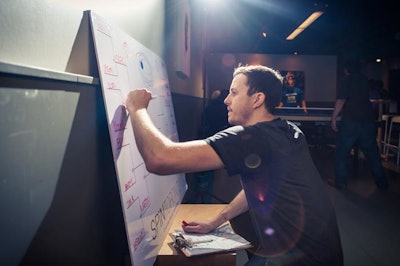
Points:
(236, 207)
(201, 227)
(138, 99)
(336, 111)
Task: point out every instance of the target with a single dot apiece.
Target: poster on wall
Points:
(149, 202)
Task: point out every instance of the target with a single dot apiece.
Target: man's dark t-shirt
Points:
(289, 204)
(355, 90)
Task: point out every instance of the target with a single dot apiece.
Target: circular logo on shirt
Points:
(252, 161)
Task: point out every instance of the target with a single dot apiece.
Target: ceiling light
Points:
(304, 25)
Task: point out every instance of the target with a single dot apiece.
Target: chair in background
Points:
(393, 138)
(386, 119)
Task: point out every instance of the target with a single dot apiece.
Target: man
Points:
(292, 96)
(289, 205)
(357, 125)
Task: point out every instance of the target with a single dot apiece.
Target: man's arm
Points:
(160, 154)
(236, 207)
(336, 111)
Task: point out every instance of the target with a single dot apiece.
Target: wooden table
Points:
(170, 256)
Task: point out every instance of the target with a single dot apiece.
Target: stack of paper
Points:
(222, 239)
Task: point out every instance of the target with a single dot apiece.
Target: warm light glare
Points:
(264, 34)
(294, 34)
(304, 25)
(378, 60)
(313, 17)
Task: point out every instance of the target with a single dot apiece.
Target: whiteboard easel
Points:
(149, 201)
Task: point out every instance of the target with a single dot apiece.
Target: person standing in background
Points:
(215, 114)
(357, 126)
(214, 119)
(383, 93)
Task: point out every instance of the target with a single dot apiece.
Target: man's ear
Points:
(259, 99)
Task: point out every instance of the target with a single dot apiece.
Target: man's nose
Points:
(226, 100)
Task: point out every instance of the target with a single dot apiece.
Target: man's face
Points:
(290, 82)
(238, 102)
